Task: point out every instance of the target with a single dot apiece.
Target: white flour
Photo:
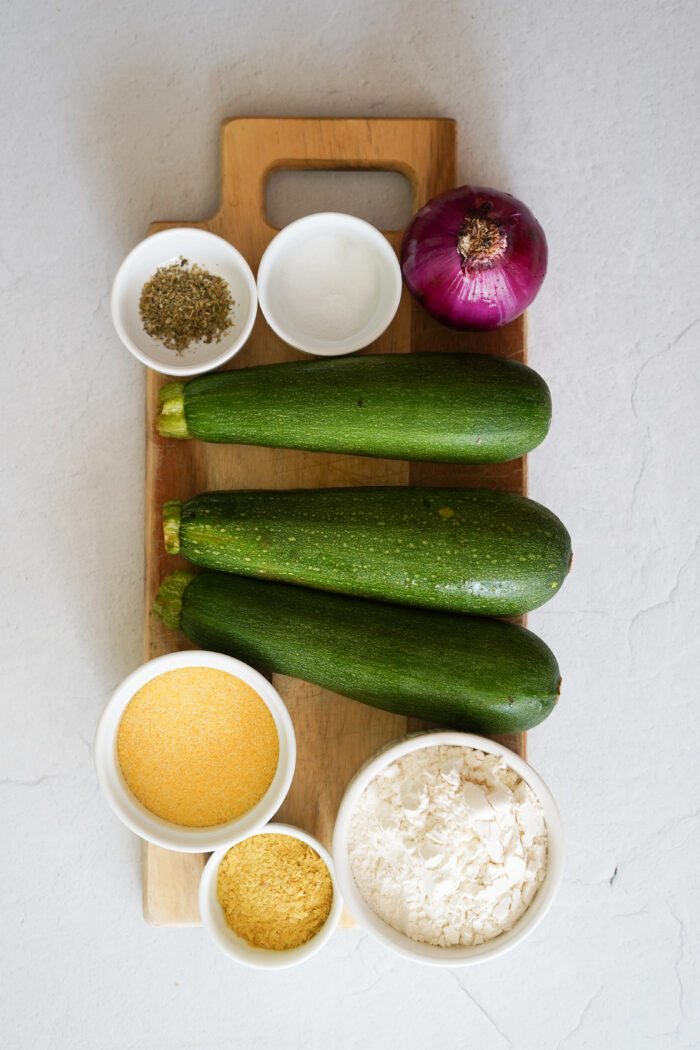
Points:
(448, 845)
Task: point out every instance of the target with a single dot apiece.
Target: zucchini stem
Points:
(171, 420)
(168, 604)
(172, 511)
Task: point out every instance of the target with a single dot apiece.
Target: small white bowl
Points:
(329, 284)
(163, 832)
(162, 249)
(214, 919)
(459, 955)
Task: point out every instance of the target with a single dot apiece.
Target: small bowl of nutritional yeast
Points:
(184, 301)
(270, 900)
(194, 749)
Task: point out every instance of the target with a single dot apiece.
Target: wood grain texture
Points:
(334, 735)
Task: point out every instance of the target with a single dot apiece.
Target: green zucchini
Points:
(467, 672)
(464, 550)
(442, 408)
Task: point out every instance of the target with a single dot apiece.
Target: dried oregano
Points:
(183, 304)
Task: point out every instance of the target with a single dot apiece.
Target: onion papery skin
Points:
(474, 294)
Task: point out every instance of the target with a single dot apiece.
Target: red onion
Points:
(474, 257)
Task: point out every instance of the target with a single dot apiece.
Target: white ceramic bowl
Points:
(214, 920)
(162, 249)
(399, 942)
(329, 284)
(153, 828)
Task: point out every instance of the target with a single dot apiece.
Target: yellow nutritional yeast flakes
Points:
(198, 746)
(275, 890)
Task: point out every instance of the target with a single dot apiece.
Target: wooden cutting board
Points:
(334, 735)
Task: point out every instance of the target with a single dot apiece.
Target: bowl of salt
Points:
(329, 284)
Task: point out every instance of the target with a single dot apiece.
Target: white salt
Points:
(328, 286)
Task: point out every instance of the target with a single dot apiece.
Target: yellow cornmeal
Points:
(275, 890)
(198, 746)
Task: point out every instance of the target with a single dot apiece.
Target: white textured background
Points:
(586, 110)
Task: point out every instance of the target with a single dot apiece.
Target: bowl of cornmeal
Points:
(194, 749)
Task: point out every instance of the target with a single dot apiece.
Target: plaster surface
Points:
(588, 112)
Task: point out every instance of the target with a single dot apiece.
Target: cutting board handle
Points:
(254, 147)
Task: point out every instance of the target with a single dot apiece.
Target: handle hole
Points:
(383, 198)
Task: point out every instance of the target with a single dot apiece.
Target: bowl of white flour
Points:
(448, 848)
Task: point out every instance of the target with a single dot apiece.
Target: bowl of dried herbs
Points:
(184, 301)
